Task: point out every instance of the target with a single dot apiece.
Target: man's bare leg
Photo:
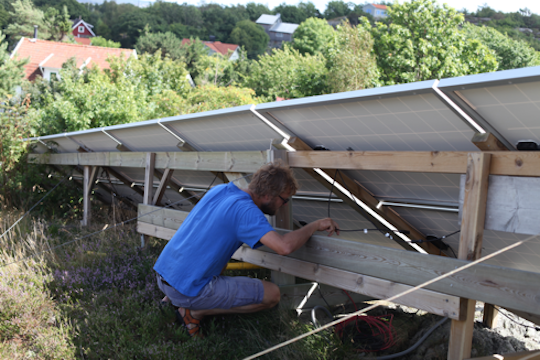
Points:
(270, 299)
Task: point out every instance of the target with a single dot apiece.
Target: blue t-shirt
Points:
(218, 225)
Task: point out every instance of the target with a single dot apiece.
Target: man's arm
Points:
(286, 244)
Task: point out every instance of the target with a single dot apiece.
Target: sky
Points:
(471, 5)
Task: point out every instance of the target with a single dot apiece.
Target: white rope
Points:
(429, 282)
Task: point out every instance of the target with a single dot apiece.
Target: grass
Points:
(98, 299)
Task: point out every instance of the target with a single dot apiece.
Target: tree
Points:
(58, 23)
(423, 42)
(251, 36)
(336, 9)
(211, 97)
(312, 36)
(511, 54)
(23, 18)
(288, 74)
(74, 8)
(103, 30)
(11, 70)
(101, 41)
(129, 26)
(131, 90)
(255, 10)
(351, 63)
(290, 13)
(169, 44)
(309, 9)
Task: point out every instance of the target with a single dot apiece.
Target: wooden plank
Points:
(488, 142)
(522, 355)
(155, 215)
(470, 246)
(241, 161)
(488, 283)
(160, 191)
(433, 302)
(155, 231)
(238, 179)
(512, 163)
(304, 297)
(89, 174)
(367, 198)
(149, 178)
(509, 288)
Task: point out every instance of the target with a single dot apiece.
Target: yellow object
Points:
(241, 266)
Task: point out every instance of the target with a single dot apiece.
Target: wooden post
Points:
(490, 315)
(148, 183)
(470, 247)
(89, 178)
(488, 142)
(283, 220)
(167, 174)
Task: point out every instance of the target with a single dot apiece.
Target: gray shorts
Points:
(222, 292)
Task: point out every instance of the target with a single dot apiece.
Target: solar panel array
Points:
(410, 117)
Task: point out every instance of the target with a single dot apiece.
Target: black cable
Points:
(537, 328)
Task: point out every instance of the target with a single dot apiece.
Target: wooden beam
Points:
(125, 180)
(430, 301)
(534, 318)
(470, 246)
(488, 142)
(241, 161)
(511, 163)
(522, 355)
(367, 198)
(238, 179)
(149, 178)
(160, 191)
(89, 179)
(502, 286)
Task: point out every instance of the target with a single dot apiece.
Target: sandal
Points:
(187, 320)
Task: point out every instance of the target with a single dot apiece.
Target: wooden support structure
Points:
(89, 179)
(160, 191)
(488, 142)
(148, 184)
(241, 161)
(493, 284)
(470, 247)
(511, 163)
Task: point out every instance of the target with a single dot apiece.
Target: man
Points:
(190, 265)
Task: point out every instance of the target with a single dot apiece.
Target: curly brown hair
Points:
(273, 179)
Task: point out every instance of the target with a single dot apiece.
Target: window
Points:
(378, 12)
(53, 76)
(279, 35)
(368, 11)
(81, 29)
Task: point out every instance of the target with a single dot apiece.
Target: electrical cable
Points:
(412, 348)
(537, 328)
(314, 315)
(36, 204)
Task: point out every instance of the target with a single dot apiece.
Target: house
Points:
(230, 50)
(378, 11)
(47, 57)
(82, 29)
(276, 29)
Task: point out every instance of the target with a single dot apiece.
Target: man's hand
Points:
(328, 225)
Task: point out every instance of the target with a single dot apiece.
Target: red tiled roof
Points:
(220, 47)
(382, 7)
(83, 41)
(39, 50)
(216, 46)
